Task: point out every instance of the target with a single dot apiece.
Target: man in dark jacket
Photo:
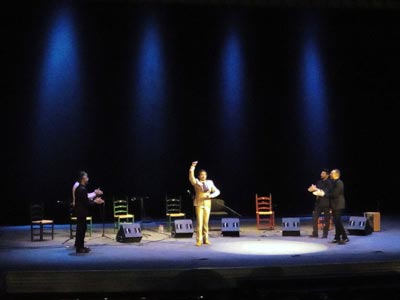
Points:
(338, 203)
(82, 204)
(322, 204)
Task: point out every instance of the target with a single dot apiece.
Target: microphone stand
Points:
(232, 211)
(103, 219)
(228, 208)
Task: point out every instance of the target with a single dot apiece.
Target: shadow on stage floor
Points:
(257, 264)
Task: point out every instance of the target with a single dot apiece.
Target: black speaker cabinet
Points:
(129, 233)
(230, 227)
(182, 228)
(359, 226)
(290, 226)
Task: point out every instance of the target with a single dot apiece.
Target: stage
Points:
(259, 263)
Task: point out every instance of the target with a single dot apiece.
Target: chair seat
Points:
(176, 215)
(264, 212)
(87, 218)
(43, 222)
(124, 216)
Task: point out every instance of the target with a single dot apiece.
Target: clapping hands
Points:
(312, 188)
(98, 200)
(98, 192)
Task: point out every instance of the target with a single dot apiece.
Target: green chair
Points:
(121, 213)
(72, 226)
(173, 207)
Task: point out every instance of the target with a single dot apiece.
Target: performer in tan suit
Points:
(205, 190)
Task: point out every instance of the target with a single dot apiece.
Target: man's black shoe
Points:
(346, 240)
(324, 236)
(83, 250)
(334, 241)
(87, 249)
(313, 236)
(342, 242)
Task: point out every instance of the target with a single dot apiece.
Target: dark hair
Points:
(81, 175)
(325, 170)
(201, 170)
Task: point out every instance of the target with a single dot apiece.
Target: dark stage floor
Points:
(259, 264)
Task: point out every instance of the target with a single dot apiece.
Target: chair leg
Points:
(169, 223)
(41, 232)
(90, 227)
(71, 235)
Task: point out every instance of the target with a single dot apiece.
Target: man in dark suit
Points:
(82, 205)
(322, 204)
(338, 203)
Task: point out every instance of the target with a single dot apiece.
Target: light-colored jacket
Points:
(203, 198)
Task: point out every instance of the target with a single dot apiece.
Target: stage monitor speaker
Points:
(359, 226)
(182, 228)
(129, 233)
(290, 226)
(374, 219)
(230, 227)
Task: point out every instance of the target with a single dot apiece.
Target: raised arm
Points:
(192, 179)
(76, 184)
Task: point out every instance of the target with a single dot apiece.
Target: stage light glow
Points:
(313, 99)
(269, 247)
(232, 83)
(232, 73)
(59, 81)
(150, 85)
(59, 87)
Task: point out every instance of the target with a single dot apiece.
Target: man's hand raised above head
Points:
(194, 163)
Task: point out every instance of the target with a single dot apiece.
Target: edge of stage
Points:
(258, 261)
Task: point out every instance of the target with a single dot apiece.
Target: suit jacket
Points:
(91, 195)
(324, 201)
(337, 195)
(203, 198)
(82, 202)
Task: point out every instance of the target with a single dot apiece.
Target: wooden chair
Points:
(121, 213)
(321, 221)
(265, 216)
(40, 225)
(173, 209)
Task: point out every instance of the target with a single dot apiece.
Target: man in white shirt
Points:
(205, 190)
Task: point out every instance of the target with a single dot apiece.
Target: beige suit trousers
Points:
(202, 218)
